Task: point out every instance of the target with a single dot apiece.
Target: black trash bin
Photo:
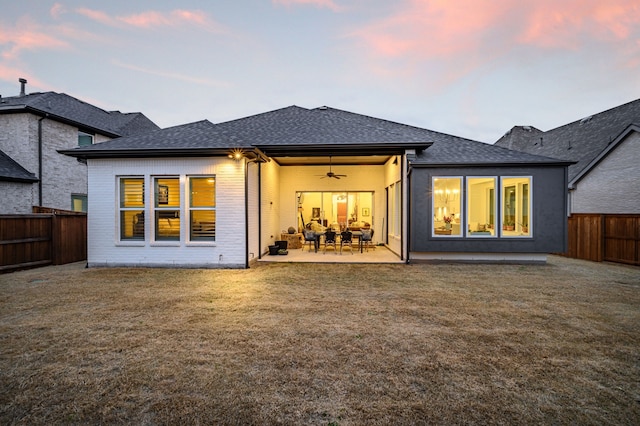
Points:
(273, 250)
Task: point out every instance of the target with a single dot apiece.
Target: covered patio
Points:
(379, 254)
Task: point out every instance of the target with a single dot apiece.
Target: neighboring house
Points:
(33, 127)
(606, 150)
(207, 195)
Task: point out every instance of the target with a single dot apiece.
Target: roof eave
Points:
(16, 109)
(342, 149)
(492, 164)
(155, 153)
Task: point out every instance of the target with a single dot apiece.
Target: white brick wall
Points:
(612, 186)
(105, 249)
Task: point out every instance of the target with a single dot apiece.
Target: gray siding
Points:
(548, 222)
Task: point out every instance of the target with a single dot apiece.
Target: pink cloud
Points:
(153, 19)
(471, 33)
(329, 4)
(440, 27)
(56, 10)
(27, 36)
(96, 15)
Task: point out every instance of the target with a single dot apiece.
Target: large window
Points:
(447, 206)
(131, 208)
(202, 208)
(516, 206)
(481, 206)
(167, 208)
(482, 195)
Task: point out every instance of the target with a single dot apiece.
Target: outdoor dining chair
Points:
(345, 240)
(330, 240)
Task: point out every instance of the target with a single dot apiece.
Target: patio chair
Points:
(367, 238)
(330, 240)
(345, 240)
(311, 238)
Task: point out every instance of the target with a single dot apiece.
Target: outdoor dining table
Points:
(356, 234)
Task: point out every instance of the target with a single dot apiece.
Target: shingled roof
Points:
(300, 131)
(11, 171)
(67, 109)
(581, 141)
(192, 139)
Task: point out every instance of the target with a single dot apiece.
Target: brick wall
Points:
(612, 186)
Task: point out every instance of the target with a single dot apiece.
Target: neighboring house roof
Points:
(581, 141)
(299, 131)
(11, 171)
(634, 128)
(65, 108)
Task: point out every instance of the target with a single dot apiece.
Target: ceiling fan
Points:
(330, 174)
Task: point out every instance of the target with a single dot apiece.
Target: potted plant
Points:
(447, 221)
(509, 225)
(525, 227)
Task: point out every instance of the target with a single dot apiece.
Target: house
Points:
(606, 150)
(33, 127)
(218, 195)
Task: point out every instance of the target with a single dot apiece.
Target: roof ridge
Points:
(398, 123)
(592, 116)
(265, 113)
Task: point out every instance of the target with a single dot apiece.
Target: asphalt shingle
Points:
(580, 141)
(10, 170)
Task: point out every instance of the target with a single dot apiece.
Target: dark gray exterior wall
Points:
(548, 221)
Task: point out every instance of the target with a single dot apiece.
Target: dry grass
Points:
(322, 344)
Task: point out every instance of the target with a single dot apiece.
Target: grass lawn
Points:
(322, 344)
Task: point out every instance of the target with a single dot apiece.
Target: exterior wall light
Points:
(236, 154)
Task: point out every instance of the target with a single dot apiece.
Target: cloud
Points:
(97, 15)
(26, 35)
(475, 32)
(173, 76)
(56, 10)
(329, 4)
(154, 19)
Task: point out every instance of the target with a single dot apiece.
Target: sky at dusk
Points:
(472, 68)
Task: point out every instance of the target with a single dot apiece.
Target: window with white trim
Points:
(166, 208)
(202, 208)
(131, 208)
(516, 206)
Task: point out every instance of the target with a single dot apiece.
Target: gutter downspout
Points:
(260, 210)
(40, 160)
(405, 164)
(246, 212)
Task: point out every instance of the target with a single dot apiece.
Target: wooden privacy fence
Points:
(605, 237)
(29, 241)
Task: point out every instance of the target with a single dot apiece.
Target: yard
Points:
(322, 344)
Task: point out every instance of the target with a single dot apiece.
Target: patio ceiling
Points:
(352, 160)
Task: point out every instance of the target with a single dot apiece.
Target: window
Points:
(516, 206)
(79, 203)
(167, 208)
(446, 206)
(482, 196)
(481, 206)
(202, 208)
(84, 139)
(131, 208)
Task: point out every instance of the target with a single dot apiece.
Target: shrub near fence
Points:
(605, 237)
(29, 241)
